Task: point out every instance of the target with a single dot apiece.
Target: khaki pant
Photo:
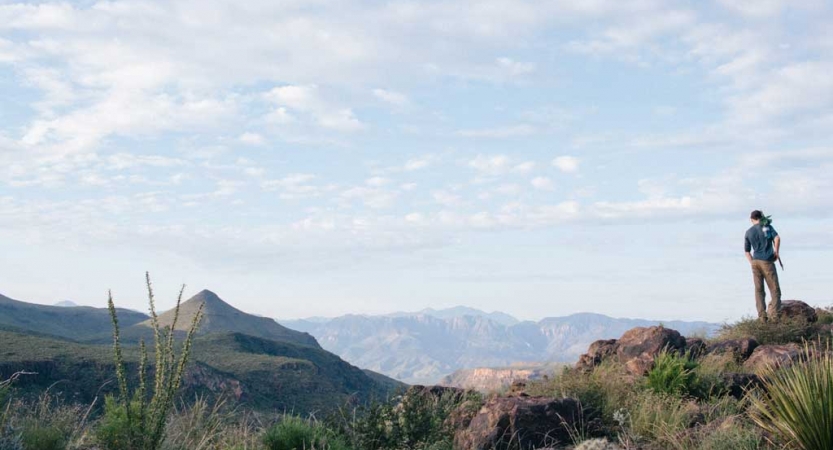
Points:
(765, 271)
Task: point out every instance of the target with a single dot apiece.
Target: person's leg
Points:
(771, 276)
(760, 293)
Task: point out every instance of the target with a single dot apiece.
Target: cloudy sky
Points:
(324, 157)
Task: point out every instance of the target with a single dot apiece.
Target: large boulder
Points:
(741, 349)
(638, 347)
(738, 383)
(794, 309)
(520, 423)
(774, 356)
(597, 352)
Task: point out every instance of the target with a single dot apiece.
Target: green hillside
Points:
(75, 323)
(259, 373)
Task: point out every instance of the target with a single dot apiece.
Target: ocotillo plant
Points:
(147, 415)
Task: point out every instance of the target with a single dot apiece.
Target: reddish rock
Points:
(794, 309)
(773, 356)
(638, 347)
(519, 423)
(741, 349)
(597, 352)
(695, 347)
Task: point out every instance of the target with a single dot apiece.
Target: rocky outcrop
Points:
(741, 349)
(519, 423)
(774, 356)
(638, 347)
(794, 309)
(201, 376)
(598, 351)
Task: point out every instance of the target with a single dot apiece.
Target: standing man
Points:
(765, 242)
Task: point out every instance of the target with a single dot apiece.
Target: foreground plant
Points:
(795, 403)
(137, 420)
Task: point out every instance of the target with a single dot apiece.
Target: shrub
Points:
(783, 331)
(652, 416)
(295, 433)
(136, 420)
(601, 392)
(672, 374)
(417, 420)
(795, 403)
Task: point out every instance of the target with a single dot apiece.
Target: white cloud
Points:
(566, 164)
(501, 132)
(394, 98)
(251, 138)
(515, 68)
(524, 167)
(375, 198)
(542, 183)
(377, 181)
(417, 163)
(491, 165)
(308, 99)
(446, 198)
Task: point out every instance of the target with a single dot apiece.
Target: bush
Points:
(672, 374)
(795, 403)
(138, 420)
(601, 392)
(417, 420)
(46, 423)
(294, 433)
(782, 331)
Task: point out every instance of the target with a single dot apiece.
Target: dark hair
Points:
(756, 215)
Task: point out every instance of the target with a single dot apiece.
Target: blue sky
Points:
(325, 157)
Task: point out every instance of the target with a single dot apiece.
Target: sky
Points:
(318, 158)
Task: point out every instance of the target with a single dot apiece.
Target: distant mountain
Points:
(219, 316)
(423, 348)
(66, 304)
(70, 323)
(461, 311)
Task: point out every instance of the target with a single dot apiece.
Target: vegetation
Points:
(796, 404)
(683, 402)
(781, 331)
(137, 420)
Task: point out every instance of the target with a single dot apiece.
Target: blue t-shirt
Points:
(756, 238)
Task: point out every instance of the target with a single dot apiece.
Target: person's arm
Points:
(776, 243)
(747, 247)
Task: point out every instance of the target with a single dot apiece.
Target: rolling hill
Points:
(270, 368)
(76, 323)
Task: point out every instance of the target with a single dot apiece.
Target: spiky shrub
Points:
(137, 419)
(795, 404)
(295, 433)
(672, 374)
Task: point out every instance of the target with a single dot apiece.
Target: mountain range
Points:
(252, 359)
(425, 346)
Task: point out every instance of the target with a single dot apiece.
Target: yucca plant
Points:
(795, 404)
(137, 420)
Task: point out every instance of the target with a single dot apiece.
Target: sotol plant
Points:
(137, 420)
(796, 403)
